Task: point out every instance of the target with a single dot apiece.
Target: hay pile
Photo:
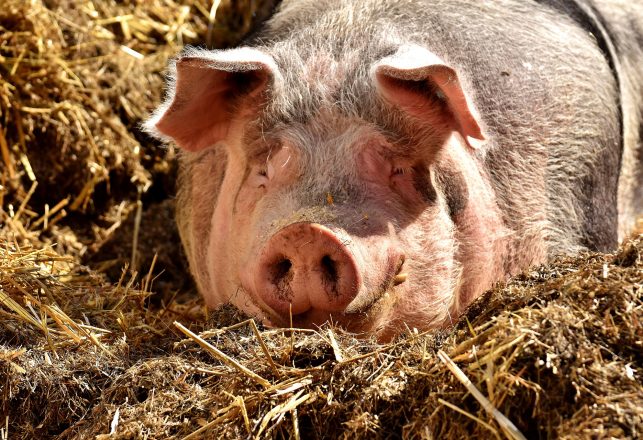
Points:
(557, 351)
(76, 79)
(92, 348)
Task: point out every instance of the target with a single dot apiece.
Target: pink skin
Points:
(303, 267)
(277, 260)
(448, 262)
(360, 262)
(308, 271)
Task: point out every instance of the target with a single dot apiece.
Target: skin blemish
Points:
(400, 278)
(455, 191)
(424, 187)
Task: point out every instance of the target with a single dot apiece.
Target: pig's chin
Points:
(368, 320)
(380, 317)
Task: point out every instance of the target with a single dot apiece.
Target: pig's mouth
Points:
(359, 321)
(361, 316)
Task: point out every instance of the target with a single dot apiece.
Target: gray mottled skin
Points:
(546, 95)
(623, 21)
(563, 177)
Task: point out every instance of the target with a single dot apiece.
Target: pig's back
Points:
(545, 91)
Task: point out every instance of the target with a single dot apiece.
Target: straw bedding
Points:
(102, 335)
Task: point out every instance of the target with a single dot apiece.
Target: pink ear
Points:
(208, 89)
(418, 81)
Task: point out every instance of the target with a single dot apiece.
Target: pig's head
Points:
(320, 190)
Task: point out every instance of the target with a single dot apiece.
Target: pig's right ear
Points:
(421, 83)
(207, 91)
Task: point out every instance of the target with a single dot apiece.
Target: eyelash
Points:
(400, 171)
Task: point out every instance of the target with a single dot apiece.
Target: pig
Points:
(380, 164)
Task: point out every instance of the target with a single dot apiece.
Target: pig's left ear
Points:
(207, 90)
(419, 82)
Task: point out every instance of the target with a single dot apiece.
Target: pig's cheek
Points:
(432, 270)
(403, 186)
(243, 230)
(228, 238)
(374, 167)
(246, 202)
(218, 257)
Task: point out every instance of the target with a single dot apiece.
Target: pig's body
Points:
(381, 164)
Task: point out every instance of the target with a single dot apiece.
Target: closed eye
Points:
(261, 177)
(399, 171)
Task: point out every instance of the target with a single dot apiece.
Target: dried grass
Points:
(76, 79)
(554, 353)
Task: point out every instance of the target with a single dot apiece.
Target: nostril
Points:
(303, 269)
(280, 270)
(329, 269)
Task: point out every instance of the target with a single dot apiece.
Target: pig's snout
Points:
(306, 266)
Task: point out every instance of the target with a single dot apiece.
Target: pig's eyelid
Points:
(400, 170)
(263, 171)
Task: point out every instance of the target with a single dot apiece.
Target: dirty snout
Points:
(306, 266)
(315, 274)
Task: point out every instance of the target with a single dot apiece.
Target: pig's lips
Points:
(359, 321)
